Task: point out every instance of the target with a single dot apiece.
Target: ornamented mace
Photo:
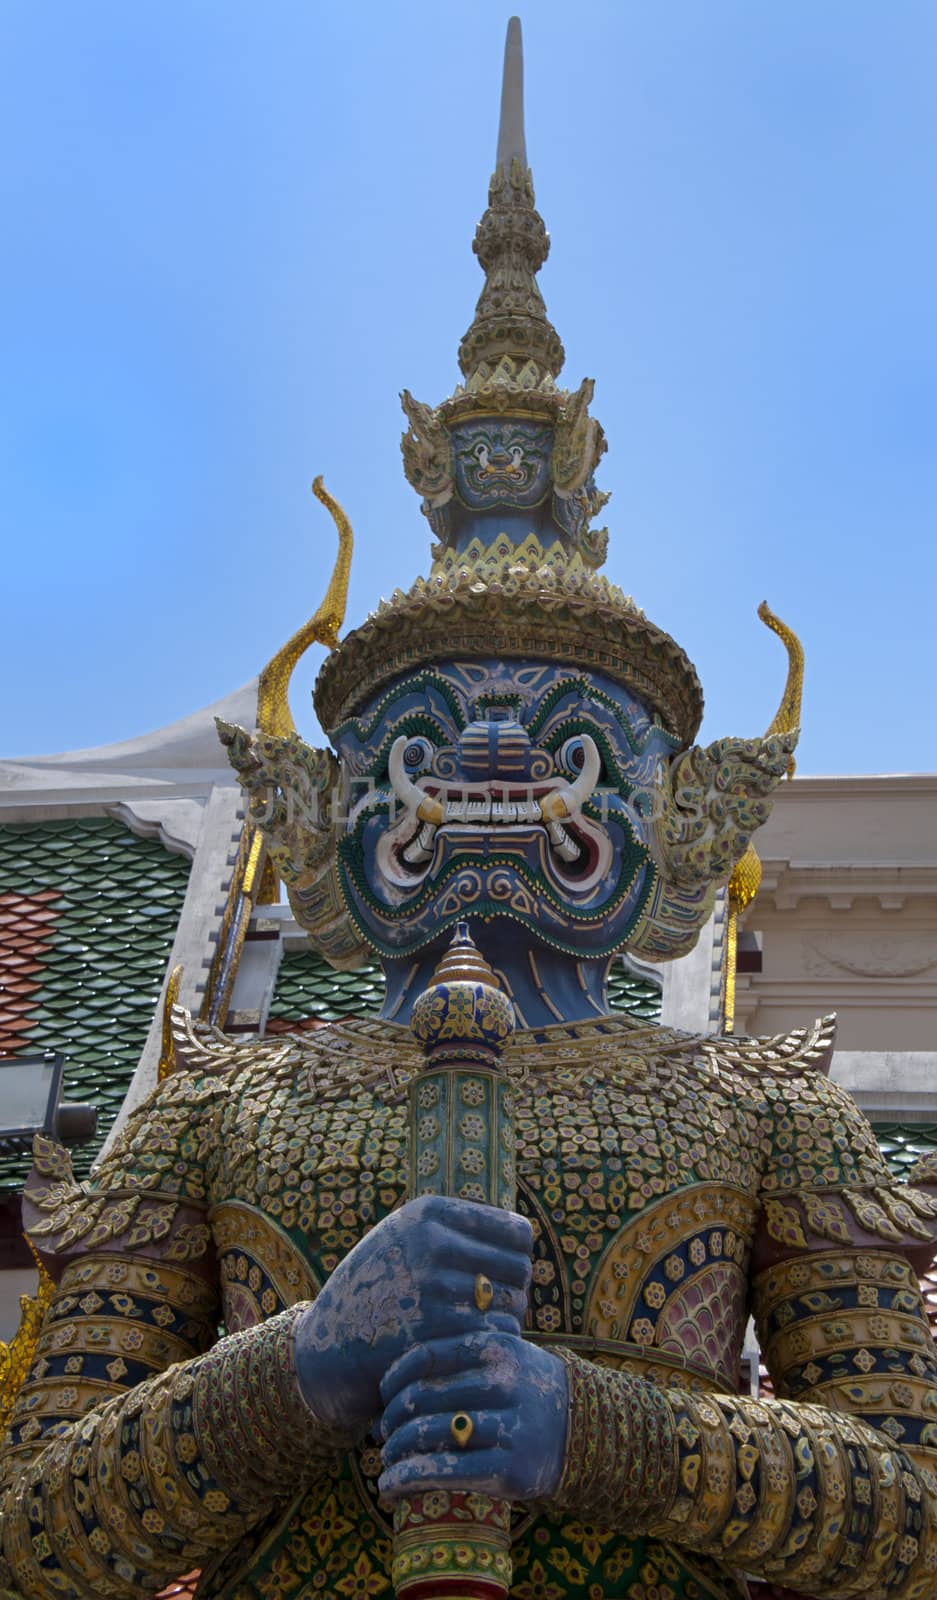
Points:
(462, 1142)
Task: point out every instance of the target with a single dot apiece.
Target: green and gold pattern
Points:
(642, 1158)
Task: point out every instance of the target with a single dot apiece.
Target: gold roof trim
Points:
(167, 1054)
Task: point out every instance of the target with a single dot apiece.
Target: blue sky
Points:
(234, 232)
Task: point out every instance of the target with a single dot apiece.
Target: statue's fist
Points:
(434, 1269)
(486, 1411)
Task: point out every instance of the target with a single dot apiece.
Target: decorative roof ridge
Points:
(190, 742)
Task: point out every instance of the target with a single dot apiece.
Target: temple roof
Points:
(88, 914)
(184, 752)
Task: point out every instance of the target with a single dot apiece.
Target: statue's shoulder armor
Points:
(285, 1086)
(152, 1187)
(824, 1178)
(331, 1060)
(777, 1058)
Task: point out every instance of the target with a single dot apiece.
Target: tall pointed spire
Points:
(511, 142)
(511, 323)
(538, 445)
(504, 468)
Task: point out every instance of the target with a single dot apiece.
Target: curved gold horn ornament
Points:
(273, 704)
(787, 717)
(292, 787)
(167, 1054)
(745, 878)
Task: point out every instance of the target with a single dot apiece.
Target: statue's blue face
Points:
(502, 462)
(500, 790)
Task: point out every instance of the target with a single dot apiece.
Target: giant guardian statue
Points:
(449, 1302)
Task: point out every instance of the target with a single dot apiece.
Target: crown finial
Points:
(511, 142)
(509, 443)
(511, 334)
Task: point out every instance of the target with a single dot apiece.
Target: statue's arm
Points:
(810, 1497)
(167, 1476)
(135, 1452)
(830, 1488)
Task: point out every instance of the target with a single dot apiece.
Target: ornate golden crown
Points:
(513, 601)
(529, 593)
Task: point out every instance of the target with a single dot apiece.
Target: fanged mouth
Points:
(434, 807)
(489, 811)
(507, 474)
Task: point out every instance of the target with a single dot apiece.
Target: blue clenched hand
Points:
(516, 1396)
(412, 1278)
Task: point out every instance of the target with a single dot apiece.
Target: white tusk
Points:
(420, 848)
(561, 842)
(415, 800)
(564, 802)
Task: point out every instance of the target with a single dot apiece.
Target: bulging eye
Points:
(571, 756)
(417, 755)
(481, 454)
(517, 455)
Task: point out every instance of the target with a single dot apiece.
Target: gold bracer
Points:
(621, 1448)
(168, 1476)
(113, 1321)
(849, 1330)
(799, 1495)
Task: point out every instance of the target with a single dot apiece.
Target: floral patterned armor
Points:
(512, 749)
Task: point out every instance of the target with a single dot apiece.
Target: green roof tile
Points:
(640, 997)
(307, 986)
(88, 912)
(904, 1143)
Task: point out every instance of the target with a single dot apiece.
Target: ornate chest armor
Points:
(653, 1167)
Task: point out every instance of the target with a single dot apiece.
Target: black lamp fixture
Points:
(30, 1103)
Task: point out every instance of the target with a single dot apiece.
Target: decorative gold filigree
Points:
(710, 801)
(274, 719)
(427, 452)
(295, 795)
(745, 880)
(787, 717)
(579, 441)
(167, 1054)
(511, 243)
(16, 1357)
(243, 894)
